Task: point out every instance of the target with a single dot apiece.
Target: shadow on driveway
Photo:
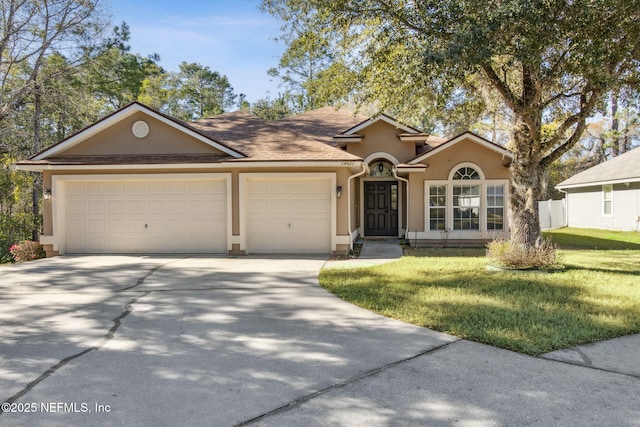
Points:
(236, 341)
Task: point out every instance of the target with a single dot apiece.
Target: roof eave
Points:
(507, 156)
(123, 113)
(563, 186)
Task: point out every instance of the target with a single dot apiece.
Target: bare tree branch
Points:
(30, 30)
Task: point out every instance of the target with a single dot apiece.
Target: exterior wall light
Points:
(339, 191)
(47, 193)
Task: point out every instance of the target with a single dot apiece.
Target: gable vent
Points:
(140, 129)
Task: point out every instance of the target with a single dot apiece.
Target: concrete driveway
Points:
(152, 340)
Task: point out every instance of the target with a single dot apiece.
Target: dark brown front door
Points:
(381, 208)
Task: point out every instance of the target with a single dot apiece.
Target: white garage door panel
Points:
(289, 216)
(158, 216)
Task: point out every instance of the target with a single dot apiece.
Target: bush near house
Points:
(543, 256)
(27, 250)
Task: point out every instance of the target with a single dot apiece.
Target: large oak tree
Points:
(551, 62)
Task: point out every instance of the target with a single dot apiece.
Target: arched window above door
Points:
(380, 168)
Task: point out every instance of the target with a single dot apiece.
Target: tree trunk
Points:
(526, 185)
(615, 126)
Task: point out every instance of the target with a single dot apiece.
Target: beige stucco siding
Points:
(355, 204)
(383, 137)
(491, 163)
(119, 140)
(439, 168)
(416, 202)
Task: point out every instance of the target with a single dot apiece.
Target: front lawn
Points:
(596, 297)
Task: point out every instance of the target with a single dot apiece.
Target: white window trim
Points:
(503, 207)
(459, 166)
(428, 207)
(606, 187)
(466, 234)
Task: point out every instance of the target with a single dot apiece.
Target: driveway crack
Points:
(142, 279)
(367, 374)
(117, 322)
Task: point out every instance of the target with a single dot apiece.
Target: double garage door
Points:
(162, 215)
(146, 216)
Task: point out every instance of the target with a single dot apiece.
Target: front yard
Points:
(596, 296)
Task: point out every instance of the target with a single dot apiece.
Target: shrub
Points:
(27, 250)
(5, 257)
(543, 256)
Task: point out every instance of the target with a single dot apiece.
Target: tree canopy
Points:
(551, 63)
(59, 72)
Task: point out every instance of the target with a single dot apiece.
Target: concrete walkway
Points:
(374, 252)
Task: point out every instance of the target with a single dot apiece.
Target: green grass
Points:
(582, 238)
(596, 296)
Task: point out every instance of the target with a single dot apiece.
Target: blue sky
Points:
(232, 37)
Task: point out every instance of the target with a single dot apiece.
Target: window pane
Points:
(466, 207)
(437, 207)
(437, 219)
(495, 207)
(394, 197)
(495, 218)
(607, 197)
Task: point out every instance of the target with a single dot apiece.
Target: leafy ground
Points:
(596, 296)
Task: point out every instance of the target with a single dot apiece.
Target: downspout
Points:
(365, 167)
(406, 181)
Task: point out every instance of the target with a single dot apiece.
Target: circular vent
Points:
(140, 129)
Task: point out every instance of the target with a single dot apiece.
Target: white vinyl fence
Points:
(553, 214)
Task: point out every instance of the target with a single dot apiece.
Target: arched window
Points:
(466, 173)
(467, 201)
(380, 169)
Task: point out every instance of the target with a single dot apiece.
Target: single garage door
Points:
(146, 216)
(289, 216)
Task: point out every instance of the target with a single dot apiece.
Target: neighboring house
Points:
(139, 181)
(607, 195)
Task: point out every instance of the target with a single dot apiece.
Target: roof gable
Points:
(71, 144)
(382, 117)
(624, 168)
(466, 136)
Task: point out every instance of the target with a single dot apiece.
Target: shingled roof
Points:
(624, 168)
(322, 124)
(264, 141)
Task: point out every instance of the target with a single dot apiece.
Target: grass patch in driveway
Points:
(596, 297)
